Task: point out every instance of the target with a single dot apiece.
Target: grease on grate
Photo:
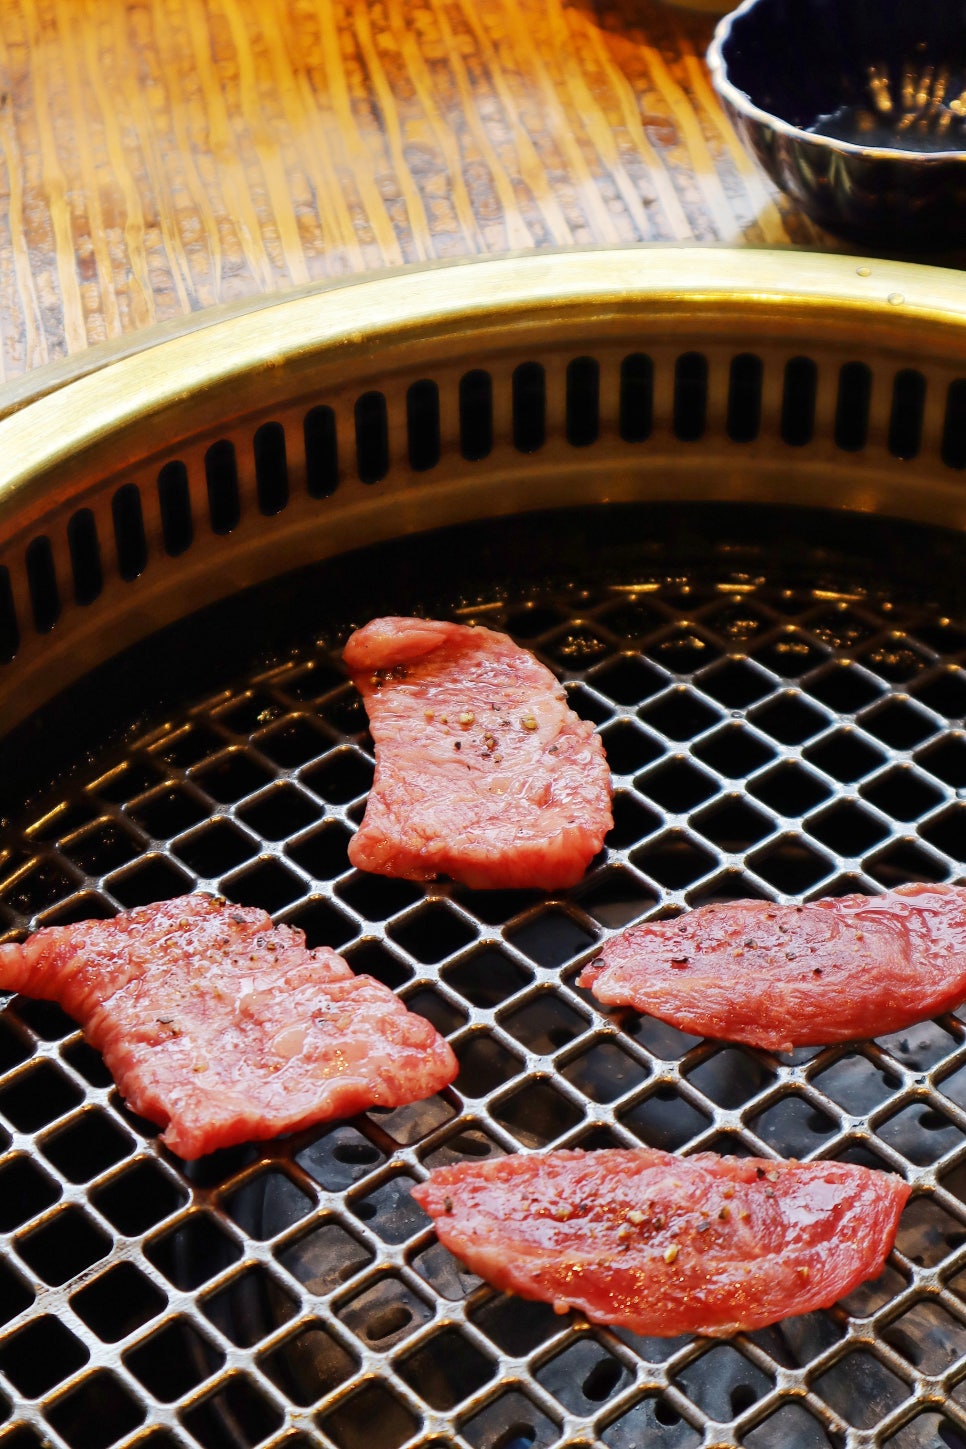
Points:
(765, 742)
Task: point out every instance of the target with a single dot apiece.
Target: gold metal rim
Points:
(441, 307)
(114, 430)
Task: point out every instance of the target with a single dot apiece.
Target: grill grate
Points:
(768, 738)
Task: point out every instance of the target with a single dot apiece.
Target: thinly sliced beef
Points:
(664, 1245)
(783, 976)
(223, 1028)
(483, 772)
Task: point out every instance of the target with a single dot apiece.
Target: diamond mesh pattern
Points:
(765, 741)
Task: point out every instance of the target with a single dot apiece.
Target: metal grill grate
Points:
(768, 738)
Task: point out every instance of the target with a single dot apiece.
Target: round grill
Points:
(780, 725)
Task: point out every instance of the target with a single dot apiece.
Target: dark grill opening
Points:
(372, 437)
(908, 407)
(64, 1245)
(583, 401)
(529, 407)
(744, 397)
(85, 556)
(129, 536)
(173, 1361)
(954, 427)
(174, 497)
(422, 421)
(372, 1418)
(320, 439)
(784, 718)
(118, 1301)
(98, 1412)
(852, 406)
(636, 398)
(690, 396)
(221, 476)
(798, 401)
(271, 468)
(236, 1413)
(42, 580)
(476, 415)
(9, 632)
(41, 1355)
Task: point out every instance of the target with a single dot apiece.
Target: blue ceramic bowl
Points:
(856, 109)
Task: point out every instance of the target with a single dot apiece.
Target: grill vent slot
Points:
(476, 415)
(690, 396)
(9, 633)
(529, 407)
(954, 426)
(174, 500)
(852, 407)
(583, 401)
(798, 401)
(636, 398)
(42, 581)
(221, 477)
(372, 437)
(129, 539)
(85, 556)
(422, 425)
(908, 407)
(321, 452)
(271, 469)
(744, 397)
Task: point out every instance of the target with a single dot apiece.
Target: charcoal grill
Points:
(722, 495)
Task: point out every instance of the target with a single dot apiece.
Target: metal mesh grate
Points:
(767, 739)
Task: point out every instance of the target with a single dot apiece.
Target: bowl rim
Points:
(742, 103)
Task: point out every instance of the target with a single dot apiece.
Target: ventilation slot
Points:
(422, 425)
(954, 426)
(221, 477)
(85, 556)
(476, 415)
(637, 398)
(271, 469)
(9, 633)
(905, 421)
(372, 437)
(529, 407)
(583, 401)
(744, 397)
(690, 396)
(798, 401)
(129, 539)
(852, 407)
(321, 453)
(42, 582)
(174, 501)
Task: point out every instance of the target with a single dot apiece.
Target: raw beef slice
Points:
(783, 976)
(223, 1028)
(665, 1245)
(483, 772)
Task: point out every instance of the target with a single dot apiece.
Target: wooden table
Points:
(160, 157)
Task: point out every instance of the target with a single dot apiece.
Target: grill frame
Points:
(339, 348)
(89, 458)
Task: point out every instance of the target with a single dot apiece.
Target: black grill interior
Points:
(781, 697)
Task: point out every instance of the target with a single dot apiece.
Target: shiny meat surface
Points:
(223, 1028)
(483, 772)
(664, 1245)
(783, 976)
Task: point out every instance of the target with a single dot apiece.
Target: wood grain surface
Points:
(159, 157)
